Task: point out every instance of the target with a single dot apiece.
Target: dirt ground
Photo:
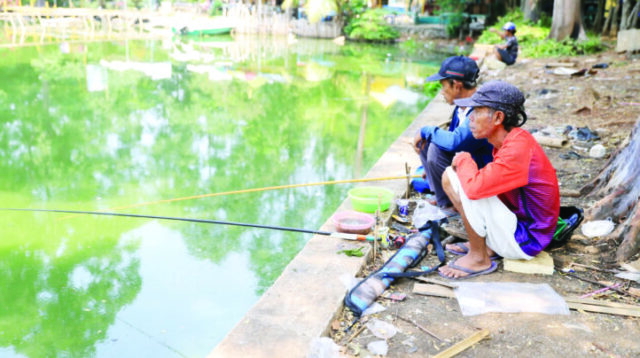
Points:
(606, 101)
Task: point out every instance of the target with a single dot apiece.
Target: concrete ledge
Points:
(304, 300)
(628, 40)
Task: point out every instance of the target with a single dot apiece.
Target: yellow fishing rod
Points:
(253, 190)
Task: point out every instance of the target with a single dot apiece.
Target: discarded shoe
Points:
(583, 134)
(570, 155)
(470, 272)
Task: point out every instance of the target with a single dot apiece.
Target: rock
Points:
(494, 64)
(597, 151)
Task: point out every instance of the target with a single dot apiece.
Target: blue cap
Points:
(459, 68)
(498, 95)
(509, 26)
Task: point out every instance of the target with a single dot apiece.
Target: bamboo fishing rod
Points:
(340, 235)
(253, 190)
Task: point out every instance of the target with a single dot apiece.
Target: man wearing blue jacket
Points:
(436, 146)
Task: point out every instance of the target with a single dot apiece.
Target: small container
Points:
(368, 198)
(403, 207)
(383, 235)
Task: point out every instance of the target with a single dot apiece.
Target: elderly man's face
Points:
(481, 122)
(449, 90)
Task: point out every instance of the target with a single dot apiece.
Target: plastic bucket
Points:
(366, 198)
(420, 185)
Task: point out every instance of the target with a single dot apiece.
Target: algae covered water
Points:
(148, 127)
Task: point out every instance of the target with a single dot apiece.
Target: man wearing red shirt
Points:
(510, 207)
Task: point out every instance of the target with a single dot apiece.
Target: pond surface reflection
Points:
(137, 126)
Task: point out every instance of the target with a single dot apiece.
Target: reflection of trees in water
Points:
(143, 140)
(60, 298)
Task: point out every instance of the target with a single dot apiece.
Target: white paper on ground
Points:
(477, 298)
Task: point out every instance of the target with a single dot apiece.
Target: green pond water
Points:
(108, 125)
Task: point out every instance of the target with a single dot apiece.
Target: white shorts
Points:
(491, 219)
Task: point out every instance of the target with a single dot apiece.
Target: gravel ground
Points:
(608, 103)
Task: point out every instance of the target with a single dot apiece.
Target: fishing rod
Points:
(340, 235)
(253, 190)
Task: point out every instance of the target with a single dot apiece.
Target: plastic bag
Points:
(597, 228)
(324, 347)
(378, 347)
(425, 212)
(477, 298)
(381, 329)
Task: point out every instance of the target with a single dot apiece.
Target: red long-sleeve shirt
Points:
(524, 180)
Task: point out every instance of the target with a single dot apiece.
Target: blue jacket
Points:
(459, 139)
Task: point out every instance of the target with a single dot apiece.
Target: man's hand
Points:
(422, 138)
(454, 166)
(418, 143)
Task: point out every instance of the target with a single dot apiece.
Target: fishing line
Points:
(152, 338)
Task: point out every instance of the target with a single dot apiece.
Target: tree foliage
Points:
(142, 140)
(371, 26)
(452, 10)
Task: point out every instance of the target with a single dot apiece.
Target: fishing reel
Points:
(397, 240)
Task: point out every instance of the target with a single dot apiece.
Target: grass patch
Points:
(533, 42)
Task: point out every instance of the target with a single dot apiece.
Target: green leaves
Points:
(353, 252)
(532, 38)
(371, 26)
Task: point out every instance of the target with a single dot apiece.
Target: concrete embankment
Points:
(304, 300)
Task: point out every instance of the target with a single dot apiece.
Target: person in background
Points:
(507, 52)
(435, 146)
(511, 206)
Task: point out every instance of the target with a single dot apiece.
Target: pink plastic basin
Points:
(353, 222)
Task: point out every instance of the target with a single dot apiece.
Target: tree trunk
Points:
(597, 24)
(630, 237)
(531, 10)
(566, 21)
(607, 22)
(626, 5)
(632, 21)
(619, 182)
(614, 22)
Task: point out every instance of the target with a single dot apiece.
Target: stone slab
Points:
(628, 40)
(541, 264)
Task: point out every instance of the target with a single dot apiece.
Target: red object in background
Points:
(399, 241)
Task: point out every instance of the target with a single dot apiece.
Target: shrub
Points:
(431, 89)
(371, 26)
(532, 38)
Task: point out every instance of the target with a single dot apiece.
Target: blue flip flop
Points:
(464, 250)
(470, 272)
